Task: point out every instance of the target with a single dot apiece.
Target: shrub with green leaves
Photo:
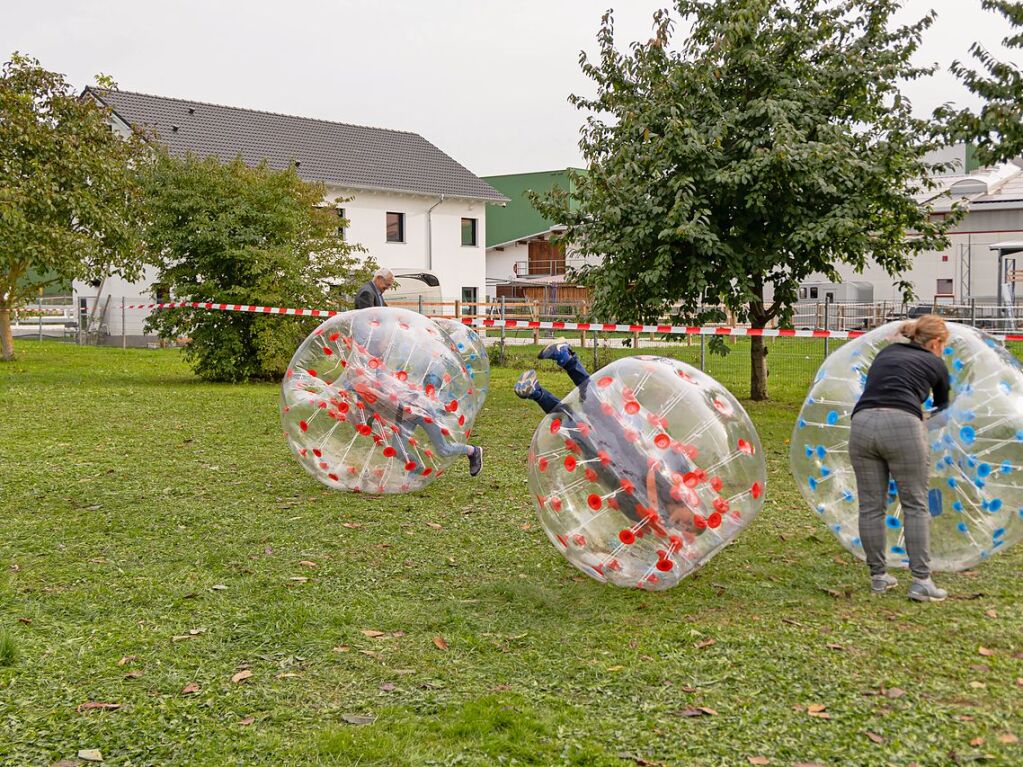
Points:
(231, 233)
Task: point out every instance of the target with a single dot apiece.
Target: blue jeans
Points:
(576, 371)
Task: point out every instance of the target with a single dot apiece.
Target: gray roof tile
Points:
(344, 155)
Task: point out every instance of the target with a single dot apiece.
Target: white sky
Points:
(485, 81)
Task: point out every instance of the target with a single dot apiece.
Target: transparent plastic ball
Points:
(374, 401)
(468, 344)
(645, 472)
(975, 494)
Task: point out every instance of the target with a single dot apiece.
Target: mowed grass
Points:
(156, 537)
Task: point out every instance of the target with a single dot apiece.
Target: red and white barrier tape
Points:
(610, 327)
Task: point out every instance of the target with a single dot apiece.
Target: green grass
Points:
(139, 504)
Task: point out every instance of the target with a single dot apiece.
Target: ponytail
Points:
(924, 329)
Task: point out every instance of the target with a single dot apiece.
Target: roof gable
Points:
(352, 156)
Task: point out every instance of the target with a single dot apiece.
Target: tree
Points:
(70, 199)
(997, 128)
(773, 144)
(233, 234)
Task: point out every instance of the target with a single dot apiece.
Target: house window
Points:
(802, 292)
(342, 223)
(469, 300)
(944, 288)
(395, 227)
(469, 232)
(813, 292)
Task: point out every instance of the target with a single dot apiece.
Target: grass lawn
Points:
(161, 550)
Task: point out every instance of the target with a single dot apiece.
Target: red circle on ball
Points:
(662, 441)
(594, 502)
(627, 537)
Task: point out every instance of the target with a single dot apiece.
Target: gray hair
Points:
(383, 273)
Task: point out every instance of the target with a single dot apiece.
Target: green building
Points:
(519, 219)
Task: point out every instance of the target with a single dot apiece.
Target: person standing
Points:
(888, 440)
(372, 293)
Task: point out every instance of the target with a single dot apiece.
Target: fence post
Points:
(534, 313)
(703, 352)
(503, 317)
(39, 306)
(420, 303)
(827, 326)
(635, 340)
(596, 339)
(458, 309)
(124, 326)
(973, 312)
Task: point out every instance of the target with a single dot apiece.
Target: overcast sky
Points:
(486, 81)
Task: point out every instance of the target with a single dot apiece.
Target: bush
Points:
(230, 233)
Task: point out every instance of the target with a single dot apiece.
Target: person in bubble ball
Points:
(385, 395)
(888, 439)
(667, 503)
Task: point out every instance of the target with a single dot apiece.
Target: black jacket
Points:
(901, 377)
(368, 296)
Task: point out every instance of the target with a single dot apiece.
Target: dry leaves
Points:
(192, 634)
(758, 760)
(298, 579)
(818, 710)
(247, 721)
(242, 675)
(694, 711)
(93, 705)
(133, 675)
(387, 687)
(706, 643)
(874, 737)
(342, 648)
(992, 613)
(977, 742)
(126, 660)
(307, 563)
(894, 693)
(1008, 738)
(440, 642)
(987, 653)
(435, 526)
(190, 689)
(351, 525)
(833, 646)
(357, 719)
(90, 755)
(373, 633)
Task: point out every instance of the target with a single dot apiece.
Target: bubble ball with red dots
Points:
(645, 472)
(975, 493)
(378, 401)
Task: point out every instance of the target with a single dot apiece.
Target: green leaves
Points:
(249, 236)
(70, 200)
(766, 145)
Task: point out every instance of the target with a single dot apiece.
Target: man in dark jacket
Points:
(372, 293)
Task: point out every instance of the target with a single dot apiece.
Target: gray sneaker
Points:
(926, 591)
(526, 384)
(881, 584)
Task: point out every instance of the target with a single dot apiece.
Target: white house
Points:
(411, 206)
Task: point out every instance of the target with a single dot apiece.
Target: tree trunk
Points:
(758, 369)
(6, 337)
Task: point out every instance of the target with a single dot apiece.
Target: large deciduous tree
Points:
(70, 199)
(996, 128)
(230, 233)
(770, 143)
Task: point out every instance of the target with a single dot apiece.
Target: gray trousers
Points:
(887, 443)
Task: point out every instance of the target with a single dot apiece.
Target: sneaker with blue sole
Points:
(527, 384)
(558, 350)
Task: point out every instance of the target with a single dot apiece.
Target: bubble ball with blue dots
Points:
(468, 345)
(975, 495)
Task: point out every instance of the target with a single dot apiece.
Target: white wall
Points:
(455, 265)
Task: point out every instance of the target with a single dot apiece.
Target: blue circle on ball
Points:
(832, 417)
(967, 434)
(894, 523)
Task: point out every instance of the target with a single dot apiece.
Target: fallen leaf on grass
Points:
(807, 764)
(874, 737)
(218, 587)
(818, 710)
(26, 621)
(758, 760)
(978, 685)
(285, 675)
(342, 648)
(987, 653)
(982, 667)
(190, 689)
(373, 633)
(298, 579)
(307, 563)
(93, 705)
(398, 634)
(1019, 681)
(90, 755)
(435, 526)
(894, 692)
(357, 719)
(792, 622)
(977, 742)
(844, 594)
(126, 660)
(247, 721)
(440, 642)
(133, 675)
(640, 760)
(694, 711)
(242, 675)
(371, 654)
(1008, 738)
(387, 687)
(706, 643)
(192, 634)
(833, 646)
(351, 525)
(992, 613)
(66, 763)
